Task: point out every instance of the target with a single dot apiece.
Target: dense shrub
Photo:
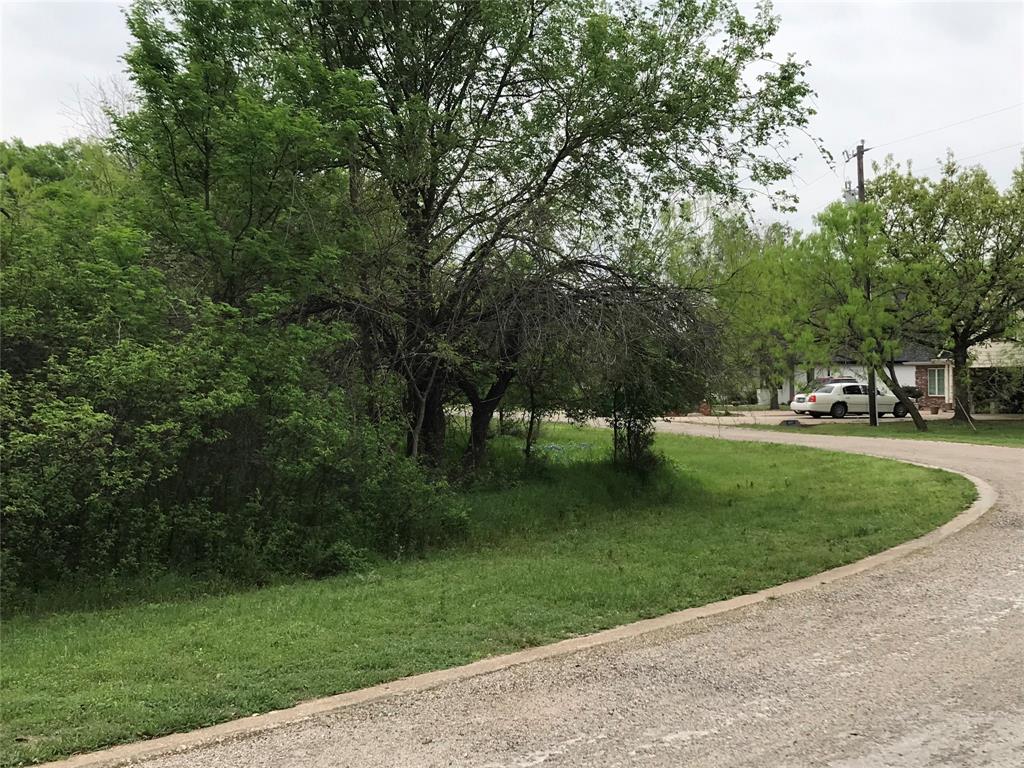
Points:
(914, 393)
(146, 429)
(1000, 390)
(226, 452)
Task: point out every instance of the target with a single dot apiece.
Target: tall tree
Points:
(960, 243)
(753, 275)
(504, 129)
(757, 284)
(841, 259)
(492, 143)
(238, 178)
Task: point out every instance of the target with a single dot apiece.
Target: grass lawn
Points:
(570, 549)
(1009, 433)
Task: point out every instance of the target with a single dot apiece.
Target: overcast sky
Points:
(883, 71)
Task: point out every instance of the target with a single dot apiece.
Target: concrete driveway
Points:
(917, 663)
(741, 418)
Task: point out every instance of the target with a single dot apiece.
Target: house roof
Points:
(912, 352)
(908, 352)
(991, 354)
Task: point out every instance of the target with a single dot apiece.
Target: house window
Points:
(936, 382)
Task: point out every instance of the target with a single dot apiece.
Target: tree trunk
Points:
(792, 384)
(773, 402)
(615, 427)
(962, 404)
(479, 423)
(483, 409)
(893, 384)
(369, 364)
(428, 424)
(528, 449)
(435, 426)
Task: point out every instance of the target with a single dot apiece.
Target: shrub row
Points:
(223, 452)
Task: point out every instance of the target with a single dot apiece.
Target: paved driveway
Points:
(918, 663)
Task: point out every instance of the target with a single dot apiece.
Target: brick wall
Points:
(921, 382)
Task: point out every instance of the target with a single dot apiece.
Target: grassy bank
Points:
(571, 548)
(1007, 432)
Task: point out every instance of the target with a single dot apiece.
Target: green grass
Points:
(1001, 432)
(571, 549)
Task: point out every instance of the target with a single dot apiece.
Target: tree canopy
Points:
(958, 243)
(237, 329)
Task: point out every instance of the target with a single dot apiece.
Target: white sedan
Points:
(837, 400)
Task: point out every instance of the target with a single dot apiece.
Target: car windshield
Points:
(827, 389)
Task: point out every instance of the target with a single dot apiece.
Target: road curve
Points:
(919, 662)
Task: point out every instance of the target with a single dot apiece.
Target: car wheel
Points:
(838, 410)
(899, 411)
(815, 415)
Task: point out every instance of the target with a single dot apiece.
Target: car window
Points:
(824, 390)
(852, 389)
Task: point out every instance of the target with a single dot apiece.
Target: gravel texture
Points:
(917, 663)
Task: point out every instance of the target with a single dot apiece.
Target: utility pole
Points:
(872, 398)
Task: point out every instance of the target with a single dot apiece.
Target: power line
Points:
(826, 173)
(832, 169)
(951, 125)
(990, 151)
(972, 157)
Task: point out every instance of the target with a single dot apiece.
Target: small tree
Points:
(649, 355)
(855, 292)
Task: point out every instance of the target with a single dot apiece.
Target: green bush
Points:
(998, 390)
(148, 430)
(227, 452)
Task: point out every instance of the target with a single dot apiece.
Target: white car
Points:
(837, 400)
(797, 404)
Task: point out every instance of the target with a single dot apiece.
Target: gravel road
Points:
(917, 663)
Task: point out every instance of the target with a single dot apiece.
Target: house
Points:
(905, 363)
(997, 377)
(934, 377)
(916, 365)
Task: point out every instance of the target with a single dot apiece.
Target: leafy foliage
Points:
(959, 245)
(145, 428)
(233, 334)
(513, 137)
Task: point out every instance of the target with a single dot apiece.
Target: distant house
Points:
(997, 377)
(906, 362)
(928, 369)
(999, 354)
(934, 376)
